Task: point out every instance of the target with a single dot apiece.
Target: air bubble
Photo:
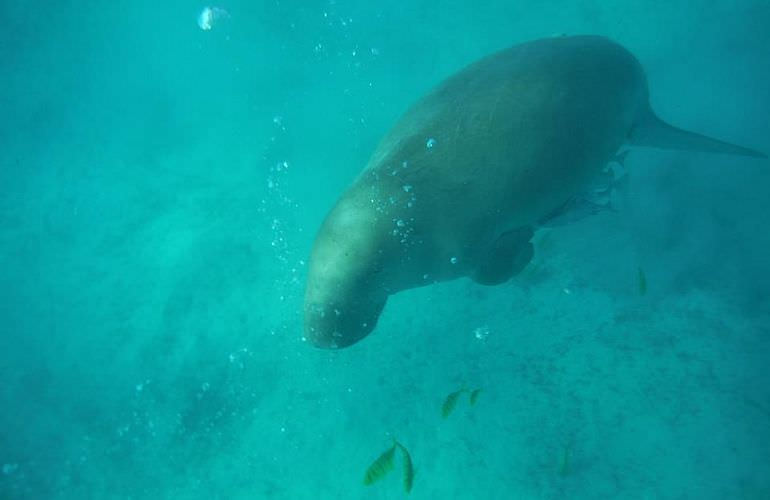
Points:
(481, 332)
(9, 469)
(209, 15)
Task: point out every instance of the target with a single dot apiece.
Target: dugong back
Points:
(514, 134)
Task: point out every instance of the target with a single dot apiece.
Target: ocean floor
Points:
(190, 377)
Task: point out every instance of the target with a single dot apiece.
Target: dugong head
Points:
(340, 319)
(346, 290)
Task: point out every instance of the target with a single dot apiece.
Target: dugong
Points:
(456, 187)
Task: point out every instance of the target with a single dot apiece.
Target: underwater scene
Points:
(336, 249)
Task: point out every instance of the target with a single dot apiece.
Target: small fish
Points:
(408, 468)
(381, 466)
(595, 200)
(576, 209)
(474, 396)
(642, 282)
(450, 402)
(209, 15)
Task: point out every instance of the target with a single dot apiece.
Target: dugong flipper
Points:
(455, 187)
(507, 257)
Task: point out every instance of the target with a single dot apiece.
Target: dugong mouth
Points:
(336, 324)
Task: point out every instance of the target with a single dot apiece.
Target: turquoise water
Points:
(161, 186)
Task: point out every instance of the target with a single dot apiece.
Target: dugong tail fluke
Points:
(650, 131)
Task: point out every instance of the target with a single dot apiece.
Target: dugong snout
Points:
(345, 291)
(342, 321)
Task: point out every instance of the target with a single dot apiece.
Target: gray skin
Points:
(455, 188)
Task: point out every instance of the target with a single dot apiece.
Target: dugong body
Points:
(455, 188)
